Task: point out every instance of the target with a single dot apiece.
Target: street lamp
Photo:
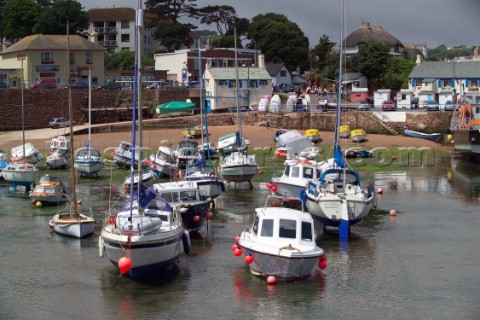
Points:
(248, 83)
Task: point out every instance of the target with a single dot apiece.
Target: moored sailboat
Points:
(147, 231)
(70, 222)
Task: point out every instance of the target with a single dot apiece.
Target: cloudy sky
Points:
(430, 22)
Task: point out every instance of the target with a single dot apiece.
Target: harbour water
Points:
(421, 264)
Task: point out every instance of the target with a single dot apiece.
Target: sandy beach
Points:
(259, 137)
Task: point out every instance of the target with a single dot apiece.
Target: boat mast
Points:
(138, 70)
(89, 109)
(339, 84)
(70, 114)
(239, 118)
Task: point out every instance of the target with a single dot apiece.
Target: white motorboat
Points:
(20, 174)
(238, 167)
(50, 190)
(146, 176)
(209, 184)
(88, 161)
(185, 196)
(296, 175)
(164, 162)
(149, 232)
(26, 152)
(281, 242)
(187, 153)
(231, 142)
(123, 155)
(59, 153)
(357, 135)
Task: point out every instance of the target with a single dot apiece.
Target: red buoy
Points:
(148, 162)
(274, 188)
(111, 220)
(196, 218)
(209, 214)
(248, 259)
(234, 247)
(260, 171)
(269, 185)
(322, 264)
(271, 280)
(237, 252)
(237, 238)
(124, 264)
(154, 167)
(379, 190)
(393, 213)
(79, 201)
(274, 204)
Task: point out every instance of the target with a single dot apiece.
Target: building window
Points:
(446, 83)
(89, 57)
(253, 84)
(474, 83)
(418, 83)
(47, 57)
(125, 37)
(222, 83)
(72, 57)
(232, 84)
(263, 83)
(283, 73)
(125, 24)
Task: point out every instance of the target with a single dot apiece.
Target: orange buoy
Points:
(393, 213)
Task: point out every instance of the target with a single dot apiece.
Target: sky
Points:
(429, 22)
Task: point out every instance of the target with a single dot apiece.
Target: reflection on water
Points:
(420, 264)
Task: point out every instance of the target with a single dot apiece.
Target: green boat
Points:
(175, 106)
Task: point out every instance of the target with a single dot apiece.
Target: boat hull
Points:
(329, 210)
(238, 172)
(57, 161)
(415, 134)
(189, 212)
(282, 262)
(22, 178)
(70, 227)
(466, 141)
(287, 189)
(88, 168)
(149, 253)
(50, 200)
(358, 138)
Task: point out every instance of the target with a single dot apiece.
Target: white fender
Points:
(101, 247)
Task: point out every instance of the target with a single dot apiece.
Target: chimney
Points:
(261, 61)
(419, 59)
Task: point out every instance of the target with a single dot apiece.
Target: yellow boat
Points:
(344, 131)
(357, 135)
(194, 131)
(313, 135)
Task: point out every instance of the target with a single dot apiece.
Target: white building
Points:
(254, 83)
(115, 30)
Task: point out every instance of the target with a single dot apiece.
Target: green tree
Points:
(171, 9)
(221, 16)
(396, 74)
(172, 36)
(320, 53)
(19, 18)
(121, 60)
(371, 61)
(53, 19)
(281, 40)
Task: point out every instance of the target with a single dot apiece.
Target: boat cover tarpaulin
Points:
(175, 106)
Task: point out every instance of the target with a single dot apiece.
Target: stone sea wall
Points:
(113, 107)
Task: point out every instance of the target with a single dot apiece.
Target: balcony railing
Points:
(108, 43)
(106, 29)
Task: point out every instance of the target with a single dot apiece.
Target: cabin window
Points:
(308, 173)
(255, 226)
(267, 228)
(295, 172)
(187, 195)
(287, 171)
(307, 231)
(170, 197)
(288, 229)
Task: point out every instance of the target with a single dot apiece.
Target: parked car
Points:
(450, 105)
(159, 85)
(432, 106)
(111, 85)
(59, 123)
(364, 106)
(388, 105)
(45, 83)
(78, 84)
